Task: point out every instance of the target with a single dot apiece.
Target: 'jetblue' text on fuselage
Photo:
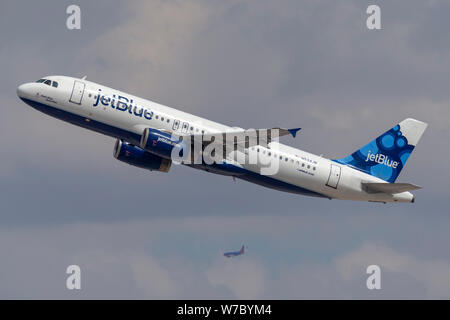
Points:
(121, 103)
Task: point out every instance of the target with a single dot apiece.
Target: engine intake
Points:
(135, 156)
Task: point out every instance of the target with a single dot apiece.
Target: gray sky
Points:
(135, 234)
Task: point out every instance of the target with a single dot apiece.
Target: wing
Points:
(387, 187)
(246, 138)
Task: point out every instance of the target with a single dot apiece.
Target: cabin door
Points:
(77, 92)
(334, 177)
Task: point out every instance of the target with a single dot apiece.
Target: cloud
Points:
(150, 45)
(245, 278)
(145, 259)
(433, 275)
(152, 278)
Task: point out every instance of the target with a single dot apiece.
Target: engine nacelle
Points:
(135, 156)
(161, 143)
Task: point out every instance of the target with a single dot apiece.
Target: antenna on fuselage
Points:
(84, 78)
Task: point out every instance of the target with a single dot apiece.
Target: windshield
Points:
(48, 82)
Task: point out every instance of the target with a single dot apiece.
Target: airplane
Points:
(234, 253)
(148, 133)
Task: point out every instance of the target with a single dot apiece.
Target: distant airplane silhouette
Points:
(234, 253)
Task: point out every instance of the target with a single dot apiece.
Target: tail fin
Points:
(386, 156)
(242, 250)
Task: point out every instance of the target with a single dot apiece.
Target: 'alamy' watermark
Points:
(73, 21)
(373, 22)
(374, 280)
(74, 279)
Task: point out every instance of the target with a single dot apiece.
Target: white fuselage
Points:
(76, 100)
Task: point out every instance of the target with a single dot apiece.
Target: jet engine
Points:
(135, 156)
(161, 143)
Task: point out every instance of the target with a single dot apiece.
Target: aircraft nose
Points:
(23, 90)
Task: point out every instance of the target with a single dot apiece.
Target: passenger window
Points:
(162, 118)
(55, 84)
(48, 82)
(157, 117)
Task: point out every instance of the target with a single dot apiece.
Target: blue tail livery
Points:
(386, 156)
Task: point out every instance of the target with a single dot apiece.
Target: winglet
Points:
(294, 131)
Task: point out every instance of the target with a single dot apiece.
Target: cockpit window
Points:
(48, 82)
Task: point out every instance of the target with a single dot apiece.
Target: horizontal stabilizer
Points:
(385, 187)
